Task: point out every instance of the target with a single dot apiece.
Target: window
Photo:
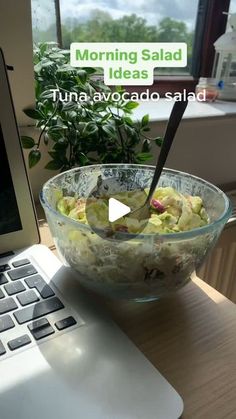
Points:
(197, 22)
(119, 21)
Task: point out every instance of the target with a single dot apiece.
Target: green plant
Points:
(79, 133)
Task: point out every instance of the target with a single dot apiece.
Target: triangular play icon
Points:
(117, 210)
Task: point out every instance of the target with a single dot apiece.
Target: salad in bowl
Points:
(129, 258)
(170, 211)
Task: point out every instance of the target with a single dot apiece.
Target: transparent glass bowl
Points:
(147, 266)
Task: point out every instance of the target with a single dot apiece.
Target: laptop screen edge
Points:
(29, 234)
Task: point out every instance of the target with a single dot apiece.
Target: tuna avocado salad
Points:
(171, 211)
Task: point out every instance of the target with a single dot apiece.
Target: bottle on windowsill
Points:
(208, 88)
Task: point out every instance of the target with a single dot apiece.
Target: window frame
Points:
(210, 24)
(216, 22)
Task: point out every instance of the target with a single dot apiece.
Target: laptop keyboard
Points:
(26, 298)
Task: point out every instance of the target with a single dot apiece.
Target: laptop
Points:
(61, 356)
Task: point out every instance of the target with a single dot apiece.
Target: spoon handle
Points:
(172, 126)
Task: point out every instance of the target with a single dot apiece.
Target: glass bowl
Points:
(146, 266)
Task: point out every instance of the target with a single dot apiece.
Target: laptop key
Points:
(4, 268)
(14, 287)
(19, 342)
(37, 324)
(41, 328)
(38, 310)
(27, 297)
(22, 272)
(2, 349)
(3, 279)
(42, 332)
(20, 262)
(7, 305)
(64, 323)
(1, 294)
(41, 286)
(6, 323)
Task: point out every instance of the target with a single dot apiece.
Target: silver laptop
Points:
(60, 355)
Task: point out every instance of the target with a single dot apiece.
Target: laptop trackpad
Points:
(86, 373)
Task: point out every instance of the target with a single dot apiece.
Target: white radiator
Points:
(219, 270)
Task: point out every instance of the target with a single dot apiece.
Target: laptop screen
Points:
(9, 213)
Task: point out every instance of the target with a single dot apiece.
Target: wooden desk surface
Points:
(190, 338)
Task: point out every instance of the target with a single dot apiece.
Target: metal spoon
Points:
(176, 115)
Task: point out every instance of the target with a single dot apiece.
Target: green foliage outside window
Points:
(101, 27)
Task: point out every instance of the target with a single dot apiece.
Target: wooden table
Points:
(190, 338)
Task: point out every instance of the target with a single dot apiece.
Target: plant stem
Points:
(119, 132)
(70, 154)
(147, 138)
(45, 126)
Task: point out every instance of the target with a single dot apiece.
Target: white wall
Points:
(16, 42)
(204, 147)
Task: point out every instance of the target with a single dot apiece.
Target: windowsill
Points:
(160, 110)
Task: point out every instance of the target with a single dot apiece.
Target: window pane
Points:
(43, 21)
(232, 8)
(122, 21)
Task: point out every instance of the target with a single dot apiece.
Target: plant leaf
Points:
(159, 141)
(110, 131)
(90, 70)
(34, 157)
(61, 144)
(43, 48)
(38, 67)
(128, 120)
(119, 89)
(82, 159)
(33, 113)
(145, 120)
(54, 165)
(46, 94)
(131, 105)
(27, 142)
(146, 146)
(56, 55)
(100, 106)
(47, 63)
(142, 157)
(82, 76)
(70, 106)
(90, 129)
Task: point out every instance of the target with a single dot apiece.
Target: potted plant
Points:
(82, 132)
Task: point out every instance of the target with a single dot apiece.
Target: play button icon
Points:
(106, 208)
(117, 210)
